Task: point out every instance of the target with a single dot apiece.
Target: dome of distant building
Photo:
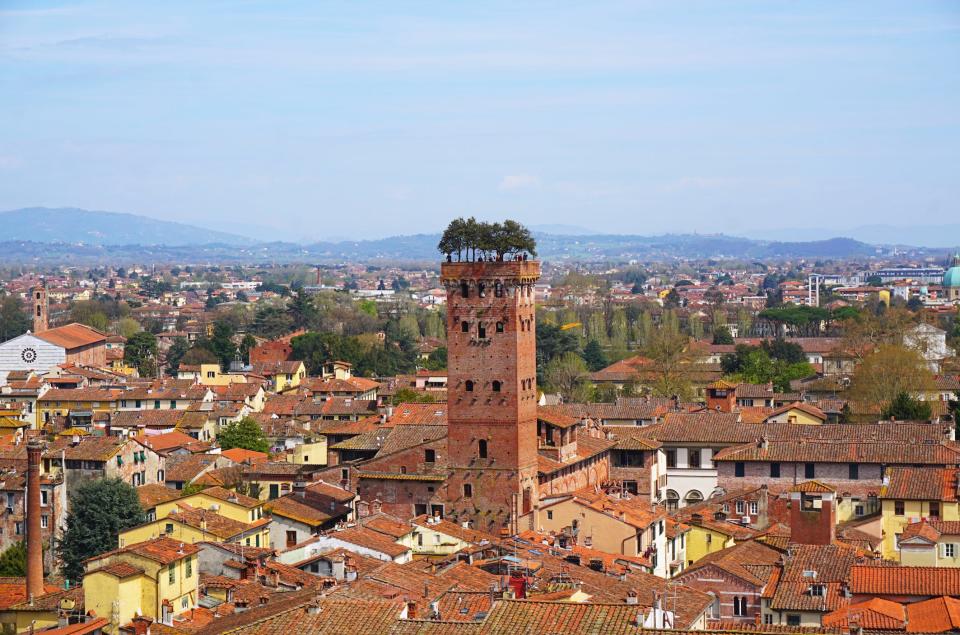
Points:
(951, 279)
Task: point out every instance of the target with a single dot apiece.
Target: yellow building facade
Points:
(154, 578)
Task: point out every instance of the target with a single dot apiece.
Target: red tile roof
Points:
(73, 336)
(892, 580)
(922, 483)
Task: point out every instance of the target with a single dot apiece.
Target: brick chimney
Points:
(34, 537)
(813, 514)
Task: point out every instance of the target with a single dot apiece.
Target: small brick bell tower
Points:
(40, 307)
(491, 391)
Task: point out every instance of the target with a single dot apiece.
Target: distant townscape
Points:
(488, 430)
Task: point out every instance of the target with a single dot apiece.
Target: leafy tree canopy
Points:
(99, 510)
(468, 238)
(903, 407)
(246, 434)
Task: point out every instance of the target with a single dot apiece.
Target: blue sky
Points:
(331, 119)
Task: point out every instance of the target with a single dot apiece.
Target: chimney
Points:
(338, 568)
(141, 625)
(299, 488)
(34, 536)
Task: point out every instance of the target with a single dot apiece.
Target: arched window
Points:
(38, 310)
(482, 448)
(465, 326)
(468, 385)
(481, 287)
(496, 385)
(693, 497)
(481, 330)
(498, 289)
(499, 327)
(739, 606)
(465, 289)
(673, 499)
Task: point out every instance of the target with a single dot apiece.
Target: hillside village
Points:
(486, 444)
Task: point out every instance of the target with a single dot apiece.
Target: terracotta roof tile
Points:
(906, 581)
(73, 336)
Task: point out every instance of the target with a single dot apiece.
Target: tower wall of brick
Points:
(492, 390)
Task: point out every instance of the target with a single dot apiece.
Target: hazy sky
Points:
(321, 119)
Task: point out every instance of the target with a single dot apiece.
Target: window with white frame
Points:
(949, 550)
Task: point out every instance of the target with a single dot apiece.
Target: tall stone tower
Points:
(491, 391)
(40, 307)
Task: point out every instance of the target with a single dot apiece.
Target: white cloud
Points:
(519, 182)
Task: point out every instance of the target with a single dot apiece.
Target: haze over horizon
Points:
(301, 121)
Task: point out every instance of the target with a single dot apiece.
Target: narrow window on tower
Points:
(481, 330)
(465, 289)
(498, 289)
(482, 448)
(467, 490)
(499, 327)
(496, 386)
(465, 326)
(481, 289)
(468, 385)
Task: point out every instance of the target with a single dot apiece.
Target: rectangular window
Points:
(740, 507)
(934, 509)
(739, 469)
(183, 602)
(467, 490)
(854, 471)
(189, 563)
(793, 620)
(430, 456)
(671, 458)
(949, 550)
(44, 521)
(898, 508)
(754, 508)
(291, 538)
(18, 528)
(43, 497)
(172, 572)
(550, 515)
(768, 618)
(694, 458)
(775, 470)
(173, 404)
(809, 470)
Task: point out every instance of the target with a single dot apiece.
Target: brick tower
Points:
(40, 307)
(491, 391)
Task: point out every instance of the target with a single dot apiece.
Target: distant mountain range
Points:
(73, 225)
(80, 236)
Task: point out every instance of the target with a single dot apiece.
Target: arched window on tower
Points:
(481, 289)
(499, 327)
(468, 385)
(465, 326)
(465, 289)
(496, 385)
(498, 289)
(481, 330)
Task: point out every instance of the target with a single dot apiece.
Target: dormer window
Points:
(818, 590)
